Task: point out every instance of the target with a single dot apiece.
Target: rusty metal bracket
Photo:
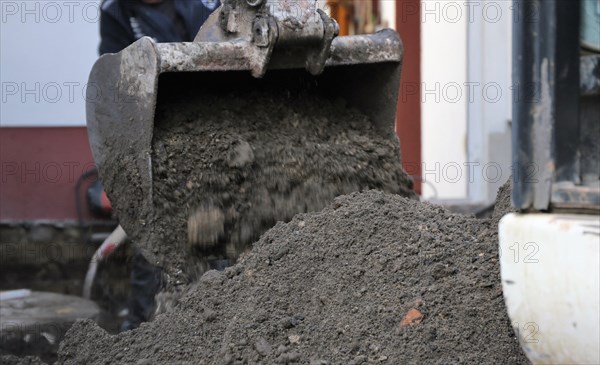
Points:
(315, 62)
(297, 30)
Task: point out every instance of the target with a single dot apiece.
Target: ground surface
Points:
(373, 278)
(8, 359)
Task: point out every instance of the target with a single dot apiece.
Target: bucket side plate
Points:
(120, 115)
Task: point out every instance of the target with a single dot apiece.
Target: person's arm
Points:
(115, 35)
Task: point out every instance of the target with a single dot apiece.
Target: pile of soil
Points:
(9, 359)
(372, 278)
(239, 163)
(503, 204)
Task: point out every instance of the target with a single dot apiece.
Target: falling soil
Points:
(235, 165)
(372, 278)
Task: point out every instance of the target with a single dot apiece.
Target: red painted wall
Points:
(408, 122)
(39, 168)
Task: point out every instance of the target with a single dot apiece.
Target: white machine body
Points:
(550, 270)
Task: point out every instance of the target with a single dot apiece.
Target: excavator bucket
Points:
(245, 45)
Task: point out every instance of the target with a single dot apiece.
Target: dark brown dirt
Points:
(503, 204)
(8, 359)
(373, 278)
(243, 162)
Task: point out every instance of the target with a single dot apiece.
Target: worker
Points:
(122, 22)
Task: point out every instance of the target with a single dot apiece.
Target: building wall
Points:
(408, 121)
(388, 13)
(490, 109)
(40, 168)
(466, 99)
(47, 50)
(444, 105)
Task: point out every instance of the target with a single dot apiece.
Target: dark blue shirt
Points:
(122, 22)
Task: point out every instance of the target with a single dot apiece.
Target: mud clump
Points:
(226, 169)
(372, 278)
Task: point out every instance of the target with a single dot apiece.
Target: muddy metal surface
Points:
(373, 278)
(242, 162)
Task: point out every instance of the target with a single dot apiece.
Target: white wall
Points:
(489, 113)
(444, 102)
(388, 13)
(467, 98)
(47, 49)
